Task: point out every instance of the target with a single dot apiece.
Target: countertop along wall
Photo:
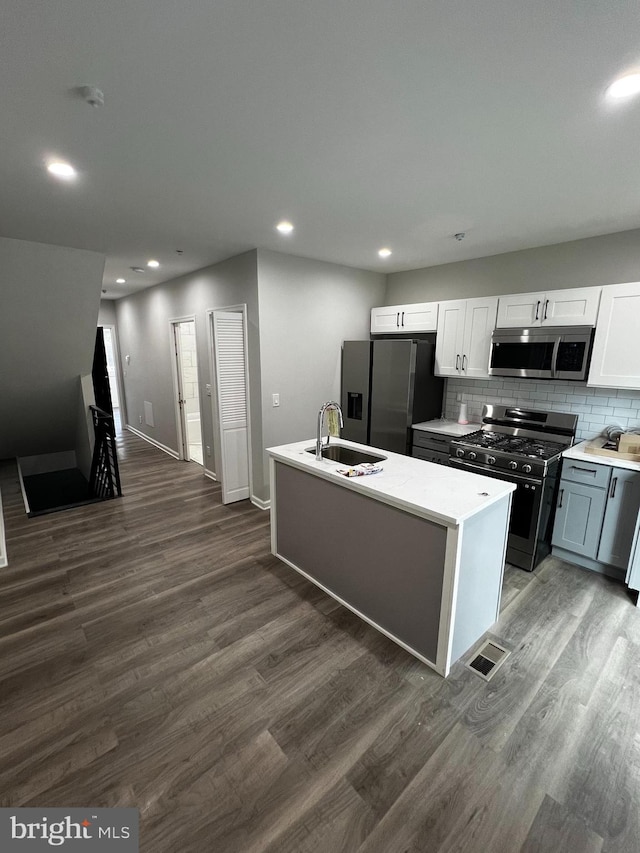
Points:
(611, 259)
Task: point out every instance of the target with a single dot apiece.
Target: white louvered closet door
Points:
(231, 386)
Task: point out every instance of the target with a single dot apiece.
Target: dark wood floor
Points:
(153, 654)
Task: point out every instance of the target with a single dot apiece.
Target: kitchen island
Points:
(417, 550)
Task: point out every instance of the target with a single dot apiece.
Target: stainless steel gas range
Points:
(524, 447)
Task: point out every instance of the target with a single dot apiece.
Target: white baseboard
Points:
(25, 499)
(210, 474)
(260, 504)
(155, 443)
(3, 545)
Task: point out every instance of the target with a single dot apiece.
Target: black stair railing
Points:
(104, 482)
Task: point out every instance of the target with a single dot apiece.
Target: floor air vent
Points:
(487, 660)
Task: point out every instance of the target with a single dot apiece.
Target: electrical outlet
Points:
(208, 389)
(140, 418)
(458, 398)
(276, 399)
(208, 450)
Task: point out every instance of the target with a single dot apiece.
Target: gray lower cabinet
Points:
(579, 514)
(597, 518)
(432, 447)
(620, 518)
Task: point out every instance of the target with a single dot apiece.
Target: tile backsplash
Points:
(595, 407)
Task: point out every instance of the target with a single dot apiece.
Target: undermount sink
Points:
(346, 455)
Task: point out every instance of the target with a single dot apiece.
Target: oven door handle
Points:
(509, 476)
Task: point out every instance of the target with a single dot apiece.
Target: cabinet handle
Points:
(546, 308)
(613, 487)
(464, 358)
(537, 309)
(397, 319)
(458, 362)
(402, 323)
(591, 471)
(560, 496)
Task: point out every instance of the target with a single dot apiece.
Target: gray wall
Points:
(298, 311)
(48, 316)
(307, 308)
(611, 259)
(144, 334)
(107, 313)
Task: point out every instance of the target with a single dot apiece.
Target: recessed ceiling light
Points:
(121, 281)
(61, 170)
(284, 227)
(625, 86)
(153, 264)
(384, 253)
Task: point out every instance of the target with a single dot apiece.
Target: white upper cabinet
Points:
(463, 341)
(615, 362)
(577, 306)
(415, 317)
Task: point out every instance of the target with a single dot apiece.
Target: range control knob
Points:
(526, 469)
(472, 455)
(491, 460)
(459, 452)
(513, 465)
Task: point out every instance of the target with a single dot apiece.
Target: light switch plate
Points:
(276, 399)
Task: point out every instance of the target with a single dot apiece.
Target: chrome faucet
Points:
(325, 408)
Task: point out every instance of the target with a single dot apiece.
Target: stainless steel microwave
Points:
(562, 352)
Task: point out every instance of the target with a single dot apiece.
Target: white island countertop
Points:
(445, 495)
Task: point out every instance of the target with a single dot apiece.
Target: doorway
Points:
(108, 335)
(187, 390)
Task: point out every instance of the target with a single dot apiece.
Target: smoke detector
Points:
(459, 236)
(93, 96)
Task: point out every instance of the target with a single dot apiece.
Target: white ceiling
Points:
(367, 123)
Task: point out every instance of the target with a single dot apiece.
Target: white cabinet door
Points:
(464, 337)
(385, 319)
(450, 338)
(615, 362)
(421, 317)
(576, 306)
(480, 321)
(519, 310)
(413, 317)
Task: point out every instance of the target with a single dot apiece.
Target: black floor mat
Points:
(56, 490)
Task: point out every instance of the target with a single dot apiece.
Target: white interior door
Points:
(231, 394)
(187, 388)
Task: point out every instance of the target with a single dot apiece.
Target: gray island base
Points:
(417, 550)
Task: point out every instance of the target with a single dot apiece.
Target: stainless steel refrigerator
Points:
(387, 385)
